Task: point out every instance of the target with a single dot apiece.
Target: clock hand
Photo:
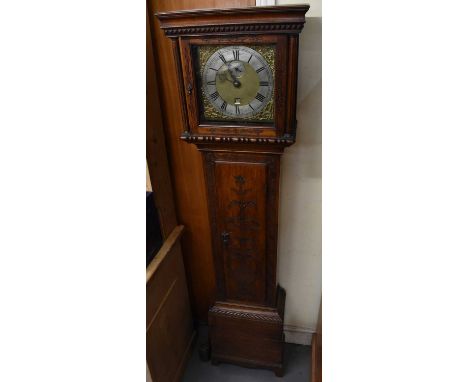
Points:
(236, 82)
(223, 77)
(227, 79)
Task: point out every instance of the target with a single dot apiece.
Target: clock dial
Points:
(237, 81)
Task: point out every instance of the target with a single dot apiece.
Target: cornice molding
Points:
(251, 20)
(234, 28)
(297, 8)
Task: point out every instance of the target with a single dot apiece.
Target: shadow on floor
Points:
(297, 369)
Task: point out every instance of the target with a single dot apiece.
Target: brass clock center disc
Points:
(239, 89)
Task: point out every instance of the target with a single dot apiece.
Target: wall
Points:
(148, 180)
(300, 220)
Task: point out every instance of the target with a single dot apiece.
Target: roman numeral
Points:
(260, 69)
(236, 54)
(250, 58)
(211, 83)
(251, 106)
(222, 58)
(223, 106)
(260, 97)
(214, 96)
(264, 83)
(237, 109)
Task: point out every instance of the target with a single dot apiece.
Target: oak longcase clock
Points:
(237, 80)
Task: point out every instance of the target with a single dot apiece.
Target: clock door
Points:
(243, 185)
(234, 85)
(241, 216)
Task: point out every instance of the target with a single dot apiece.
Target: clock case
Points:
(242, 168)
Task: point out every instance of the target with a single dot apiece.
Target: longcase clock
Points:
(237, 79)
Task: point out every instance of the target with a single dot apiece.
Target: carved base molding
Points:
(268, 316)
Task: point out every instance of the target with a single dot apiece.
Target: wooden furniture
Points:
(241, 115)
(186, 161)
(316, 354)
(169, 326)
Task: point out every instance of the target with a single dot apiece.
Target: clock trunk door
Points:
(243, 254)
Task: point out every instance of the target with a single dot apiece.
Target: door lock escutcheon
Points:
(225, 236)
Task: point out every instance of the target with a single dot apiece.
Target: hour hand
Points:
(224, 77)
(235, 81)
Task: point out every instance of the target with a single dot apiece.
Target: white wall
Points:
(300, 220)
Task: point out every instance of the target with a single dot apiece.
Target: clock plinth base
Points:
(248, 335)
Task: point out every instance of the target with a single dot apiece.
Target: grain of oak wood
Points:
(185, 160)
(316, 354)
(156, 156)
(168, 320)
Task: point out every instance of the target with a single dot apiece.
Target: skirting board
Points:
(298, 335)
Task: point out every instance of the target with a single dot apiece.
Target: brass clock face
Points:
(237, 83)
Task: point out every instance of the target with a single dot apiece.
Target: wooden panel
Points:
(185, 160)
(231, 345)
(156, 156)
(244, 230)
(169, 327)
(292, 86)
(316, 354)
(241, 216)
(248, 336)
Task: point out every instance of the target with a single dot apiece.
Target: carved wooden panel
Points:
(241, 216)
(244, 229)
